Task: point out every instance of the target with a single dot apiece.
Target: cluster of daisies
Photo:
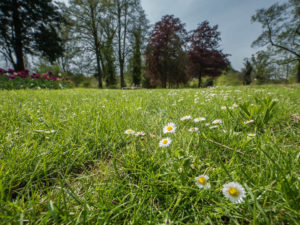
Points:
(138, 133)
(232, 190)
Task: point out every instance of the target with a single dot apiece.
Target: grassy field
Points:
(65, 157)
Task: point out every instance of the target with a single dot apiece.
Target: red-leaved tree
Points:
(165, 54)
(204, 56)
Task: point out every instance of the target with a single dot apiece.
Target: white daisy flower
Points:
(248, 121)
(140, 133)
(251, 135)
(235, 105)
(198, 119)
(234, 192)
(201, 181)
(223, 107)
(218, 121)
(193, 129)
(185, 118)
(165, 142)
(129, 131)
(170, 128)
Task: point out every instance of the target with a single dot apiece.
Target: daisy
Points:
(198, 119)
(140, 133)
(165, 142)
(234, 192)
(170, 128)
(248, 121)
(129, 131)
(218, 121)
(223, 107)
(201, 181)
(235, 105)
(251, 135)
(193, 129)
(185, 118)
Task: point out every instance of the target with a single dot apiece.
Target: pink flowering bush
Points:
(10, 79)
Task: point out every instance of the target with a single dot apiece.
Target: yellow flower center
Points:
(193, 128)
(202, 180)
(165, 141)
(233, 192)
(169, 128)
(129, 131)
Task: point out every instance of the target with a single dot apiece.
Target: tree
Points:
(136, 58)
(29, 27)
(87, 15)
(246, 72)
(204, 56)
(128, 14)
(281, 28)
(165, 54)
(70, 42)
(264, 68)
(138, 34)
(108, 59)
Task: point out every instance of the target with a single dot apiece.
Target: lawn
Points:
(65, 157)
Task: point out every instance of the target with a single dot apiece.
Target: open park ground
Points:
(87, 156)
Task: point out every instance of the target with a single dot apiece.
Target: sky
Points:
(232, 16)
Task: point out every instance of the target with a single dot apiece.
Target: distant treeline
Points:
(113, 42)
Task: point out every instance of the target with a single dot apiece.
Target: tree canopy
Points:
(165, 55)
(205, 57)
(281, 29)
(29, 27)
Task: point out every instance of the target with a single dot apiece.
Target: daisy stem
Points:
(224, 146)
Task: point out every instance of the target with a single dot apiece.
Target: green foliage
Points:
(137, 58)
(20, 83)
(280, 23)
(246, 73)
(45, 68)
(29, 27)
(229, 78)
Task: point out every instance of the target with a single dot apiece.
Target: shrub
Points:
(11, 79)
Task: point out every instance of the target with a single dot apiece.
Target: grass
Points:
(64, 157)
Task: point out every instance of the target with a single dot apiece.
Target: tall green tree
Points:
(136, 58)
(138, 38)
(263, 66)
(281, 28)
(29, 27)
(246, 72)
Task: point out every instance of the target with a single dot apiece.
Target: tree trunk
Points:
(298, 72)
(122, 73)
(18, 45)
(97, 45)
(199, 80)
(164, 83)
(99, 70)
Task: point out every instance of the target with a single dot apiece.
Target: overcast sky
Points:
(232, 16)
